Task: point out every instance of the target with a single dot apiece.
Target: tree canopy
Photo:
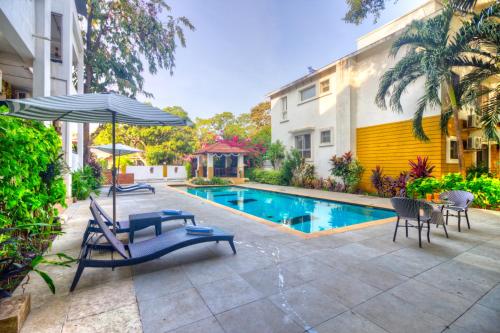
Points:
(162, 144)
(123, 39)
(359, 10)
(166, 144)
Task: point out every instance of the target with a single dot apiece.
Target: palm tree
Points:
(436, 54)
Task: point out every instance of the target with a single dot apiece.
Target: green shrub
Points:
(419, 187)
(213, 181)
(347, 168)
(31, 184)
(477, 171)
(486, 189)
(292, 161)
(84, 182)
(303, 175)
(273, 177)
(188, 166)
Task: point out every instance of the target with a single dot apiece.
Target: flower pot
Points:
(13, 312)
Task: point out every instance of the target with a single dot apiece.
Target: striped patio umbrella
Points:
(93, 108)
(120, 150)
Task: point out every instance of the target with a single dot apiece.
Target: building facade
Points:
(41, 48)
(332, 110)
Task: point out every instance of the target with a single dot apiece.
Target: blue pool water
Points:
(297, 212)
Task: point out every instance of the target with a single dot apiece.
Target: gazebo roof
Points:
(222, 148)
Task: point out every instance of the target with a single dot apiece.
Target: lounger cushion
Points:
(173, 238)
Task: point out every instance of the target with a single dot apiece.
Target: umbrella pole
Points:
(113, 173)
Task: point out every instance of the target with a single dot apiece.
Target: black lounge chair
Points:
(131, 188)
(139, 252)
(140, 221)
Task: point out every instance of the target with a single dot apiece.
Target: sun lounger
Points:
(137, 221)
(140, 252)
(131, 188)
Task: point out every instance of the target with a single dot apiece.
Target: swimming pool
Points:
(300, 213)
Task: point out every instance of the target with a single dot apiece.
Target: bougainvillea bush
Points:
(31, 184)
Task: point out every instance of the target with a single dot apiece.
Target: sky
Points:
(243, 49)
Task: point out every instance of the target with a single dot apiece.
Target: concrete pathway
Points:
(358, 281)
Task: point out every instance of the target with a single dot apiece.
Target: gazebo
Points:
(221, 160)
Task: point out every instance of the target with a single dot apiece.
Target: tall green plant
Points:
(31, 184)
(434, 53)
(292, 161)
(275, 153)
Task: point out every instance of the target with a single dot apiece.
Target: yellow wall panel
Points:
(392, 145)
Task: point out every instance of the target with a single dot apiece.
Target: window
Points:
(303, 145)
(284, 108)
(325, 137)
(55, 38)
(324, 86)
(307, 93)
(451, 150)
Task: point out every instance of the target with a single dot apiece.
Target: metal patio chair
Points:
(460, 202)
(411, 210)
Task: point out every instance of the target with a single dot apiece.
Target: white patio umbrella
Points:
(93, 108)
(120, 150)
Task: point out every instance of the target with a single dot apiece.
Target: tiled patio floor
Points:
(358, 281)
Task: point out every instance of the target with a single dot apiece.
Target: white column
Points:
(41, 63)
(79, 89)
(241, 166)
(199, 166)
(67, 66)
(210, 166)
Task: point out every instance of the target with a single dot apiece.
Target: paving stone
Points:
(272, 280)
(480, 319)
(376, 276)
(307, 268)
(226, 294)
(308, 305)
(209, 325)
(208, 271)
(172, 311)
(51, 316)
(258, 317)
(88, 302)
(121, 320)
(401, 265)
(460, 279)
(395, 315)
(349, 290)
(248, 260)
(349, 322)
(492, 299)
(160, 283)
(428, 298)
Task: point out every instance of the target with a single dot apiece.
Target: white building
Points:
(40, 48)
(332, 110)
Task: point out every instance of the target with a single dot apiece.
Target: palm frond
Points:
(463, 5)
(482, 28)
(408, 66)
(399, 89)
(490, 117)
(446, 115)
(418, 127)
